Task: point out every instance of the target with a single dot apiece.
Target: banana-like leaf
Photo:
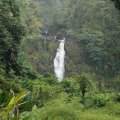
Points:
(20, 96)
(10, 107)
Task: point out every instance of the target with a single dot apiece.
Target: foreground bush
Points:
(55, 112)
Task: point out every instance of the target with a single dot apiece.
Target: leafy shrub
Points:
(113, 108)
(117, 97)
(70, 86)
(97, 100)
(86, 83)
(50, 78)
(6, 85)
(42, 92)
(54, 112)
(101, 100)
(116, 83)
(25, 116)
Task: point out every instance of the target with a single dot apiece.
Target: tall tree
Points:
(11, 33)
(117, 3)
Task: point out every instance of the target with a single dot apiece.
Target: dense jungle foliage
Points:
(29, 90)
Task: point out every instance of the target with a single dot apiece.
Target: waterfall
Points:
(59, 61)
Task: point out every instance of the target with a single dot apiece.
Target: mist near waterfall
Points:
(59, 67)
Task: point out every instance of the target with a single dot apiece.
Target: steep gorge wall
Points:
(41, 53)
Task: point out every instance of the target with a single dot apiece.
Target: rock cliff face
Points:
(41, 54)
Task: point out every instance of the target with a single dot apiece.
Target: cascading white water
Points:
(59, 67)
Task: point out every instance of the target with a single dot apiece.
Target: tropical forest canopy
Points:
(30, 31)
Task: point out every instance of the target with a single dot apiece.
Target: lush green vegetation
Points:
(91, 87)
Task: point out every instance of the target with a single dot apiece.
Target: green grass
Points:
(61, 109)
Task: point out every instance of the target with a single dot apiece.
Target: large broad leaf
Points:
(10, 107)
(20, 96)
